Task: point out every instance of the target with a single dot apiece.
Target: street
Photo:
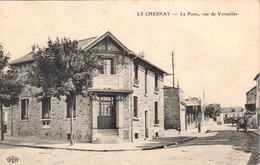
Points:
(227, 147)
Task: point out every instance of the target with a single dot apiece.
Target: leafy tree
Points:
(212, 110)
(63, 69)
(10, 87)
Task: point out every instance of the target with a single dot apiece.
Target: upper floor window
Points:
(145, 81)
(135, 106)
(156, 80)
(25, 109)
(108, 66)
(74, 108)
(46, 108)
(136, 71)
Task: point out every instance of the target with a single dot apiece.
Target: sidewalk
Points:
(171, 137)
(35, 142)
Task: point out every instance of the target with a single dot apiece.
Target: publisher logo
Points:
(12, 159)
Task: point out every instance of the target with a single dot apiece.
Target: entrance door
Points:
(146, 125)
(107, 112)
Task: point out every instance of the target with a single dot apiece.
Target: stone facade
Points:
(120, 85)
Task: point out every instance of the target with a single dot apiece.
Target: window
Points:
(135, 106)
(5, 128)
(74, 108)
(156, 121)
(108, 67)
(145, 81)
(24, 108)
(136, 136)
(107, 105)
(136, 71)
(225, 115)
(156, 80)
(46, 108)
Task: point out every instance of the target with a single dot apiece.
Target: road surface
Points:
(228, 147)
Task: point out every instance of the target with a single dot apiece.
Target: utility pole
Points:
(173, 84)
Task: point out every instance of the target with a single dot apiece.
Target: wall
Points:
(146, 103)
(171, 108)
(60, 125)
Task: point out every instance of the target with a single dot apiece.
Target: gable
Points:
(106, 45)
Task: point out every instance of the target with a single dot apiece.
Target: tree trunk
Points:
(2, 122)
(71, 119)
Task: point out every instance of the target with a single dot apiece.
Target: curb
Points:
(251, 132)
(89, 150)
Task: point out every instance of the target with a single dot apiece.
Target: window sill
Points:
(156, 92)
(46, 119)
(69, 118)
(135, 119)
(136, 85)
(146, 95)
(46, 127)
(25, 120)
(156, 125)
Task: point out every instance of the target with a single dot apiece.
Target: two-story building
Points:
(127, 104)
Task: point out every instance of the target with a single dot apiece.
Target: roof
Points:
(112, 90)
(193, 101)
(27, 58)
(256, 77)
(254, 88)
(232, 109)
(87, 44)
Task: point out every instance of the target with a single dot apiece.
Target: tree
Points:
(63, 69)
(10, 87)
(212, 110)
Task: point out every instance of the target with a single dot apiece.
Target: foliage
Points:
(212, 110)
(62, 69)
(10, 87)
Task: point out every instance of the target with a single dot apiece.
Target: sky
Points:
(215, 54)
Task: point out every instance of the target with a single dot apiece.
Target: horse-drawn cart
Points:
(242, 124)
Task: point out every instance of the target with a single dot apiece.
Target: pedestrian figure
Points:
(199, 127)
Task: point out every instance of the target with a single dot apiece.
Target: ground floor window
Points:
(46, 108)
(135, 106)
(156, 120)
(24, 109)
(74, 108)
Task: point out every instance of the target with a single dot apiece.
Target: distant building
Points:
(257, 79)
(193, 112)
(180, 112)
(233, 112)
(251, 100)
(174, 109)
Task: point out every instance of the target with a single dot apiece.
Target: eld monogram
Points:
(12, 159)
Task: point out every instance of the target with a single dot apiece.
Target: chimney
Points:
(35, 48)
(141, 54)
